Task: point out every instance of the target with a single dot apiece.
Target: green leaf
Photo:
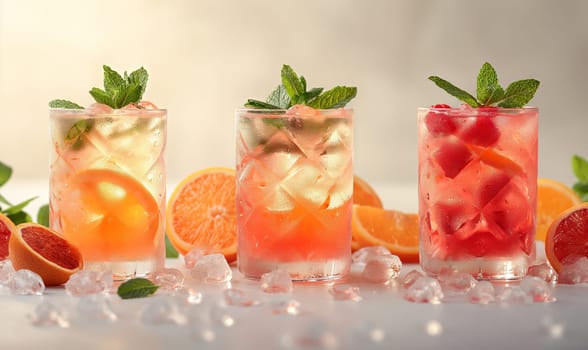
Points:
(455, 91)
(5, 173)
(136, 288)
(18, 207)
(43, 215)
(519, 93)
(130, 94)
(101, 96)
(488, 89)
(19, 217)
(581, 188)
(337, 97)
(312, 94)
(580, 168)
(64, 104)
(170, 251)
(112, 80)
(4, 200)
(259, 104)
(76, 131)
(279, 97)
(138, 77)
(303, 82)
(292, 83)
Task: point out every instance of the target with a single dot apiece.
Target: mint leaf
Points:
(64, 104)
(19, 217)
(312, 94)
(303, 82)
(101, 96)
(581, 188)
(259, 104)
(292, 84)
(580, 168)
(170, 251)
(5, 173)
(279, 97)
(130, 94)
(519, 93)
(136, 288)
(4, 200)
(488, 90)
(138, 77)
(337, 97)
(43, 215)
(76, 131)
(18, 207)
(112, 80)
(455, 91)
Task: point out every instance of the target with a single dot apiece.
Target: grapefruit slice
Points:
(392, 229)
(553, 198)
(567, 236)
(44, 251)
(201, 213)
(7, 228)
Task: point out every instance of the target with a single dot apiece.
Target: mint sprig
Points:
(120, 91)
(136, 288)
(489, 92)
(294, 90)
(64, 104)
(580, 169)
(15, 212)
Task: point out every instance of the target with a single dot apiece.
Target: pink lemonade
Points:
(477, 190)
(294, 192)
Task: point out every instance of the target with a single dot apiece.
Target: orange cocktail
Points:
(294, 190)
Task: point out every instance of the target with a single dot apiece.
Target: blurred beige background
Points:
(205, 58)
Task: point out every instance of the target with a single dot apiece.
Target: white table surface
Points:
(383, 313)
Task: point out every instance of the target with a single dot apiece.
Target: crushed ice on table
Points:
(192, 256)
(482, 293)
(168, 278)
(574, 271)
(539, 290)
(543, 271)
(425, 290)
(47, 314)
(26, 282)
(381, 268)
(276, 281)
(6, 271)
(238, 297)
(163, 310)
(86, 282)
(288, 307)
(513, 295)
(345, 292)
(362, 255)
(96, 307)
(212, 269)
(407, 279)
(188, 295)
(455, 282)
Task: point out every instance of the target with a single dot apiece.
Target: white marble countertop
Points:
(381, 320)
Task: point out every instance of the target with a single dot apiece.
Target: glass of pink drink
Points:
(477, 174)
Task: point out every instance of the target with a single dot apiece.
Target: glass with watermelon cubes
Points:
(477, 171)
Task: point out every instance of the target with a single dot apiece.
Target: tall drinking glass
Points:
(477, 190)
(294, 191)
(107, 186)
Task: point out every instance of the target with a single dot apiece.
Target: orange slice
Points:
(392, 229)
(567, 236)
(553, 198)
(109, 216)
(364, 194)
(44, 251)
(201, 213)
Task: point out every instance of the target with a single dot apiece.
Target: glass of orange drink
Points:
(294, 191)
(107, 185)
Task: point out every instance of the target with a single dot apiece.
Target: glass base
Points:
(306, 271)
(492, 269)
(124, 270)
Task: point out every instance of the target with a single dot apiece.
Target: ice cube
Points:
(276, 281)
(482, 293)
(212, 269)
(189, 296)
(289, 307)
(382, 268)
(452, 157)
(6, 271)
(237, 297)
(48, 314)
(168, 278)
(86, 282)
(543, 271)
(425, 290)
(345, 292)
(456, 282)
(362, 255)
(192, 256)
(26, 282)
(163, 310)
(514, 295)
(96, 307)
(308, 183)
(410, 277)
(538, 289)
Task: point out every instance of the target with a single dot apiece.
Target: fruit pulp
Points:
(294, 192)
(107, 187)
(477, 173)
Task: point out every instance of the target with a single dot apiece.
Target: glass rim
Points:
(477, 109)
(114, 112)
